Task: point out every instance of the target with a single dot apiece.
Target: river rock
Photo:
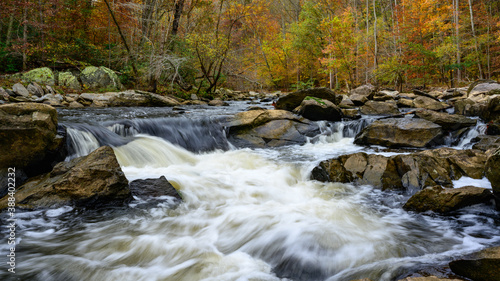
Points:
(20, 90)
(481, 87)
(35, 89)
(51, 99)
(444, 200)
(379, 108)
(27, 133)
(269, 128)
(146, 188)
(488, 108)
(480, 266)
(429, 278)
(492, 171)
(75, 104)
(293, 100)
(319, 109)
(406, 171)
(449, 122)
(127, 98)
(400, 132)
(405, 102)
(485, 142)
(67, 79)
(43, 76)
(385, 95)
(218, 102)
(429, 103)
(90, 181)
(98, 78)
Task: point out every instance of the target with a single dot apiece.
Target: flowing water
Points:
(247, 214)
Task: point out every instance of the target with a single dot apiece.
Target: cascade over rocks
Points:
(401, 132)
(91, 181)
(480, 266)
(292, 100)
(443, 200)
(268, 128)
(319, 109)
(408, 172)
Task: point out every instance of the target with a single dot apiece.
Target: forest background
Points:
(182, 45)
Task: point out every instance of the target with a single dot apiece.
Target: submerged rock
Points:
(480, 266)
(292, 100)
(401, 132)
(91, 181)
(443, 200)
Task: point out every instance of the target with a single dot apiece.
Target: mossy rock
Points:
(67, 79)
(96, 78)
(43, 76)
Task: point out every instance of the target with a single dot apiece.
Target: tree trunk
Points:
(40, 8)
(475, 41)
(131, 57)
(9, 30)
(25, 33)
(457, 32)
(179, 5)
(375, 41)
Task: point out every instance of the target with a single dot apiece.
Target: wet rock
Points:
(444, 200)
(67, 79)
(96, 78)
(20, 90)
(406, 171)
(319, 109)
(75, 104)
(484, 142)
(449, 122)
(379, 108)
(492, 171)
(429, 278)
(429, 103)
(35, 89)
(493, 128)
(91, 181)
(400, 132)
(293, 100)
(352, 113)
(146, 188)
(43, 76)
(480, 266)
(269, 128)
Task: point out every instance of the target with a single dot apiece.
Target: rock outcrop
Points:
(401, 132)
(407, 171)
(90, 181)
(444, 200)
(96, 78)
(319, 109)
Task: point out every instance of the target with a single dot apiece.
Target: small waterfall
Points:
(335, 132)
(464, 141)
(194, 135)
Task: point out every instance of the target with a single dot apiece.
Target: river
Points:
(247, 214)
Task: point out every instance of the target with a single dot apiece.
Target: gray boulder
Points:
(380, 108)
(20, 90)
(35, 89)
(449, 122)
(429, 103)
(400, 132)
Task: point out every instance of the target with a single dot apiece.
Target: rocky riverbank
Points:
(420, 123)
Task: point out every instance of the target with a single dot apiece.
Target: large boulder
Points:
(319, 109)
(483, 87)
(362, 94)
(429, 103)
(444, 200)
(35, 89)
(67, 79)
(480, 266)
(448, 122)
(98, 78)
(27, 134)
(379, 108)
(20, 90)
(269, 128)
(407, 171)
(492, 171)
(292, 100)
(400, 132)
(43, 76)
(90, 181)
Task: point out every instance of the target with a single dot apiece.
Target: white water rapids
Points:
(246, 215)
